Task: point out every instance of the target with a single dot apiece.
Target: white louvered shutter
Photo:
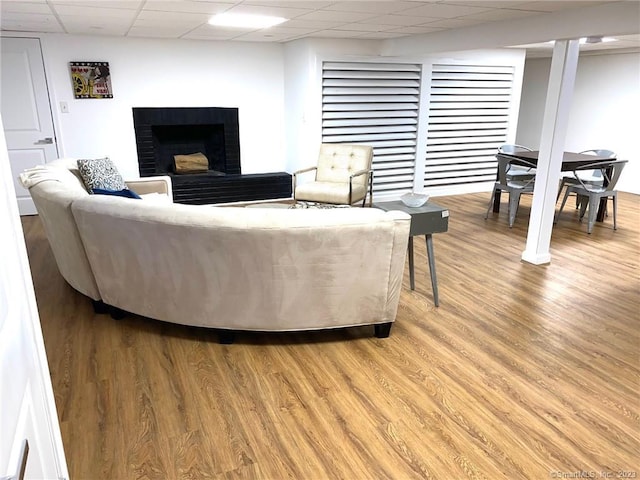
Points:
(469, 110)
(375, 104)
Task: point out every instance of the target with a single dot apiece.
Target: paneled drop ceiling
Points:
(361, 19)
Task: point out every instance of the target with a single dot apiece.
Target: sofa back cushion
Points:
(71, 165)
(242, 268)
(53, 201)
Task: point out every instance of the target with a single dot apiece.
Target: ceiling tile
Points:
(380, 35)
(312, 24)
(441, 10)
(24, 7)
(25, 24)
(448, 23)
(336, 34)
(155, 32)
(367, 27)
(34, 18)
(485, 3)
(149, 17)
(209, 31)
(284, 29)
(554, 6)
(495, 15)
(264, 36)
(93, 12)
(269, 10)
(102, 20)
(378, 8)
(207, 8)
(211, 35)
(332, 16)
(417, 30)
(399, 20)
(123, 4)
(308, 4)
(88, 29)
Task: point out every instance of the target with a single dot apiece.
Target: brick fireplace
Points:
(162, 133)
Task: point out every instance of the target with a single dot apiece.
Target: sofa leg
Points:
(117, 313)
(99, 306)
(226, 337)
(382, 330)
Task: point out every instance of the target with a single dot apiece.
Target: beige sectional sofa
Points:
(229, 268)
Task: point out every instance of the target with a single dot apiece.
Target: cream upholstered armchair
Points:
(343, 175)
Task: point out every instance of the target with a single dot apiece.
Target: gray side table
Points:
(425, 220)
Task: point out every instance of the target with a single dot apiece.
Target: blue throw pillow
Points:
(119, 193)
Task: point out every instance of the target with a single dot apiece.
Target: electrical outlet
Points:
(64, 107)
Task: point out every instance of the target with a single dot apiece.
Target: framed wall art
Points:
(91, 79)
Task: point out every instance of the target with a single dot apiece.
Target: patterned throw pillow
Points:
(100, 173)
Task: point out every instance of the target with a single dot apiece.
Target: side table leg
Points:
(412, 281)
(432, 268)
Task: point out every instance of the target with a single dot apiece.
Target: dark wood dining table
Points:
(570, 162)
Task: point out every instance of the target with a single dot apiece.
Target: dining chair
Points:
(515, 187)
(592, 177)
(592, 193)
(517, 172)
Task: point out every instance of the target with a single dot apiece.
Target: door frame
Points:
(29, 407)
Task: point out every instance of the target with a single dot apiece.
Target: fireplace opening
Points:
(171, 140)
(162, 133)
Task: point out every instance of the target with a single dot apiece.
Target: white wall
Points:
(303, 91)
(168, 73)
(605, 110)
(300, 107)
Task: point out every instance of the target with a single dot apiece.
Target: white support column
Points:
(554, 129)
(423, 126)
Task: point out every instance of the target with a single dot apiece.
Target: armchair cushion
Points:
(329, 192)
(337, 162)
(156, 187)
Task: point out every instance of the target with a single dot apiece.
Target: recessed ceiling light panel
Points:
(589, 40)
(238, 20)
(596, 40)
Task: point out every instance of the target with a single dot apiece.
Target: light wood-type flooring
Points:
(523, 372)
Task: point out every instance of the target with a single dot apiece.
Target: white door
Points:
(26, 111)
(27, 407)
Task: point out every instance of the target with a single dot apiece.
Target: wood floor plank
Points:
(523, 371)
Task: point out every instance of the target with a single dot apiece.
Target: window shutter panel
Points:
(469, 110)
(375, 104)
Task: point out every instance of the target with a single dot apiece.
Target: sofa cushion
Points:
(118, 193)
(100, 173)
(70, 164)
(157, 198)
